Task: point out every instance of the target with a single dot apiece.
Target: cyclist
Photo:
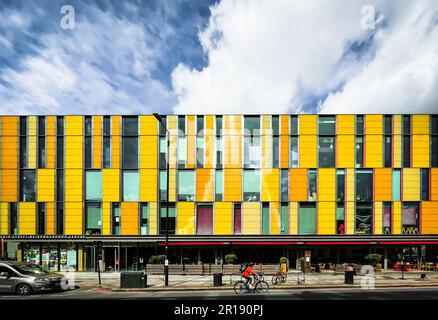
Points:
(249, 274)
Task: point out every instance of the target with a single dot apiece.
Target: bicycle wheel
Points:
(274, 279)
(262, 287)
(283, 277)
(240, 287)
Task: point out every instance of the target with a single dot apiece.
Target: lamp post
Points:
(166, 262)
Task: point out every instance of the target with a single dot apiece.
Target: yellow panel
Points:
(266, 124)
(172, 185)
(115, 142)
(233, 141)
(31, 142)
(349, 185)
(373, 151)
(73, 142)
(205, 185)
(434, 184)
(349, 217)
(298, 184)
(308, 124)
(411, 184)
(223, 218)
(345, 151)
(191, 141)
(275, 217)
(374, 124)
(97, 142)
(251, 218)
(326, 184)
(106, 218)
(383, 184)
(74, 125)
(233, 184)
(46, 185)
(266, 151)
(153, 221)
(270, 185)
(9, 126)
(9, 143)
(396, 124)
(429, 217)
(307, 151)
(378, 217)
(173, 151)
(148, 185)
(293, 218)
(9, 185)
(4, 218)
(421, 124)
(26, 218)
(345, 124)
(420, 151)
(326, 217)
(396, 213)
(50, 218)
(149, 152)
(73, 184)
(129, 218)
(284, 141)
(185, 218)
(148, 125)
(111, 185)
(397, 151)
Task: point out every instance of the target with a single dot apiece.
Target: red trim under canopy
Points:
(307, 243)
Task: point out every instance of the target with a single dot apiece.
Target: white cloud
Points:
(272, 56)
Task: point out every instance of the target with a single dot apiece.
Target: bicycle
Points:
(279, 277)
(260, 285)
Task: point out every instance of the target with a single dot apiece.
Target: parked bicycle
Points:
(279, 277)
(260, 285)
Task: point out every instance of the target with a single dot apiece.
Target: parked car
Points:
(26, 278)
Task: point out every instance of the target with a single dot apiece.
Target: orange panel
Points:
(191, 141)
(284, 141)
(434, 184)
(383, 184)
(129, 218)
(204, 184)
(429, 217)
(298, 184)
(9, 185)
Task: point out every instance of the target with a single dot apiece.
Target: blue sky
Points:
(224, 56)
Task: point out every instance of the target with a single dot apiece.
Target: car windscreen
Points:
(30, 269)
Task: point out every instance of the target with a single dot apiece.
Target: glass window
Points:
(130, 126)
(13, 218)
(293, 125)
(396, 183)
(218, 125)
(23, 152)
(130, 153)
(252, 125)
(171, 222)
(130, 185)
(161, 129)
(307, 218)
(219, 185)
(163, 185)
(252, 152)
(284, 184)
(144, 218)
(42, 126)
(93, 219)
(340, 218)
(41, 218)
(364, 218)
(163, 152)
(387, 217)
(59, 185)
(364, 185)
(311, 185)
(200, 152)
(284, 229)
(182, 152)
(218, 152)
(434, 152)
(237, 218)
(327, 125)
(265, 218)
(424, 184)
(60, 125)
(327, 147)
(186, 185)
(410, 218)
(23, 125)
(388, 152)
(359, 124)
(116, 218)
(28, 186)
(181, 125)
(434, 124)
(359, 152)
(251, 185)
(88, 152)
(388, 124)
(204, 219)
(406, 124)
(60, 218)
(60, 152)
(106, 152)
(293, 152)
(340, 185)
(41, 152)
(275, 151)
(88, 126)
(275, 125)
(107, 125)
(200, 125)
(406, 151)
(93, 185)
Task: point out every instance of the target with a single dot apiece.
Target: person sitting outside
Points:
(249, 274)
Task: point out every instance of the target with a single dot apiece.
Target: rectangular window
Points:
(388, 152)
(219, 152)
(359, 151)
(93, 185)
(60, 152)
(204, 219)
(129, 126)
(293, 152)
(162, 129)
(115, 209)
(237, 218)
(167, 224)
(406, 151)
(42, 152)
(200, 152)
(41, 218)
(340, 218)
(294, 125)
(388, 125)
(106, 152)
(311, 187)
(13, 218)
(265, 218)
(364, 218)
(284, 184)
(275, 125)
(364, 185)
(218, 125)
(307, 218)
(60, 125)
(340, 185)
(131, 189)
(219, 185)
(252, 125)
(359, 124)
(59, 185)
(93, 219)
(327, 125)
(182, 152)
(28, 186)
(60, 218)
(251, 152)
(407, 124)
(88, 126)
(163, 185)
(144, 218)
(275, 151)
(88, 152)
(163, 152)
(23, 152)
(327, 149)
(106, 125)
(410, 217)
(199, 125)
(434, 124)
(251, 185)
(181, 126)
(396, 183)
(424, 184)
(284, 229)
(130, 153)
(23, 126)
(186, 185)
(387, 209)
(434, 152)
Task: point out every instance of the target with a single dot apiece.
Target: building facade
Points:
(261, 186)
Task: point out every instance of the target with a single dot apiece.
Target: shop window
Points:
(163, 185)
(93, 219)
(60, 218)
(93, 185)
(364, 185)
(293, 161)
(307, 218)
(284, 218)
(144, 218)
(251, 185)
(251, 152)
(237, 218)
(130, 125)
(327, 125)
(219, 185)
(424, 184)
(275, 125)
(284, 184)
(182, 152)
(387, 217)
(359, 151)
(340, 185)
(265, 218)
(131, 188)
(340, 218)
(396, 183)
(364, 218)
(41, 218)
(311, 188)
(218, 125)
(359, 124)
(410, 217)
(293, 125)
(171, 222)
(388, 152)
(252, 125)
(115, 210)
(186, 185)
(219, 152)
(327, 148)
(204, 219)
(275, 151)
(13, 218)
(27, 183)
(130, 153)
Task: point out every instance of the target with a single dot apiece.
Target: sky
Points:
(218, 56)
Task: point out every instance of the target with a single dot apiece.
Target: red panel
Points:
(204, 221)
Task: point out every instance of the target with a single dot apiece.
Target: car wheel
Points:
(23, 289)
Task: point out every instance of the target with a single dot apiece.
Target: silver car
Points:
(25, 278)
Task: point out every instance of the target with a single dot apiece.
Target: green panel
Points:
(339, 213)
(163, 180)
(186, 185)
(131, 186)
(396, 185)
(93, 185)
(251, 181)
(307, 220)
(94, 217)
(144, 219)
(284, 219)
(265, 219)
(182, 150)
(219, 182)
(172, 211)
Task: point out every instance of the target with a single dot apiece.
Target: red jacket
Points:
(249, 270)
